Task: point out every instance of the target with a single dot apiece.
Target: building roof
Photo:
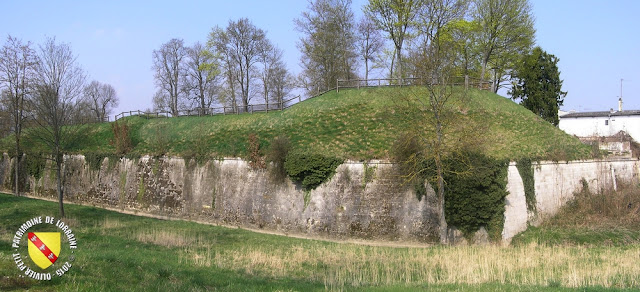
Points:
(602, 114)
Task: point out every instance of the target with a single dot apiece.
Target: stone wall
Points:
(230, 192)
(556, 183)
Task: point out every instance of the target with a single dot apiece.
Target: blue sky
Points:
(597, 41)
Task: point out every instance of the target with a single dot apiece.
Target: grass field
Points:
(352, 124)
(118, 252)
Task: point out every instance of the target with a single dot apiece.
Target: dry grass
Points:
(606, 209)
(347, 265)
(110, 222)
(168, 238)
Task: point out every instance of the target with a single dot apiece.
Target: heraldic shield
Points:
(44, 248)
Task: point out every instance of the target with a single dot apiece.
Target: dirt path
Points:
(393, 244)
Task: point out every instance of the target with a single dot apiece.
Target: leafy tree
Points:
(396, 18)
(59, 85)
(464, 34)
(202, 72)
(506, 33)
(435, 49)
(536, 80)
(18, 63)
(217, 42)
(328, 45)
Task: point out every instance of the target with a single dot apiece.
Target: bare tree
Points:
(101, 99)
(17, 70)
(59, 85)
(396, 18)
(276, 80)
(281, 83)
(202, 73)
(168, 64)
(268, 56)
(241, 43)
(328, 43)
(369, 42)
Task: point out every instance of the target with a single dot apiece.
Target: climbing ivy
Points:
(475, 194)
(310, 170)
(526, 173)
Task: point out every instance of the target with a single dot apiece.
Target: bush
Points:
(408, 154)
(121, 139)
(256, 161)
(277, 154)
(35, 164)
(310, 170)
(95, 159)
(475, 194)
(160, 142)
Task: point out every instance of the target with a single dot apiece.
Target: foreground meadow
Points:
(119, 252)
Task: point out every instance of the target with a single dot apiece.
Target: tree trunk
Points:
(439, 171)
(399, 62)
(17, 173)
(366, 71)
(60, 188)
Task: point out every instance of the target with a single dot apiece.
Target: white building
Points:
(602, 124)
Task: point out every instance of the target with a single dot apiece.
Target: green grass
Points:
(353, 124)
(119, 252)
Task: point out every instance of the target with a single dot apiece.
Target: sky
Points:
(597, 42)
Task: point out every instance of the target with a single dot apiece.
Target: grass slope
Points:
(355, 124)
(118, 252)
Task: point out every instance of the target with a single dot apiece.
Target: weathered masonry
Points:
(362, 200)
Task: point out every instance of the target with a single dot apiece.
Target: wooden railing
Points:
(466, 81)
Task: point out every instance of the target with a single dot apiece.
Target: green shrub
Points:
(475, 194)
(95, 159)
(35, 164)
(310, 170)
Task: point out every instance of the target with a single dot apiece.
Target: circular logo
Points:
(44, 248)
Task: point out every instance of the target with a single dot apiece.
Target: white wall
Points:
(595, 126)
(555, 184)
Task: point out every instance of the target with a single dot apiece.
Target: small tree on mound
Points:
(536, 81)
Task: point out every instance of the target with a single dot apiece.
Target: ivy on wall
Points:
(475, 194)
(310, 170)
(526, 173)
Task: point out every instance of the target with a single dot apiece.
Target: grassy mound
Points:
(352, 124)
